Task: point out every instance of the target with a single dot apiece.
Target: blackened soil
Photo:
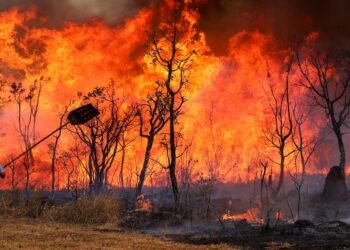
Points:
(330, 235)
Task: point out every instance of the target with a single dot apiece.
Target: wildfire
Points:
(143, 204)
(227, 105)
(252, 215)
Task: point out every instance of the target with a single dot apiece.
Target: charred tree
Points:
(264, 165)
(305, 148)
(122, 162)
(169, 51)
(327, 77)
(53, 150)
(124, 142)
(14, 176)
(280, 131)
(102, 135)
(153, 115)
(80, 152)
(69, 166)
(27, 102)
(298, 180)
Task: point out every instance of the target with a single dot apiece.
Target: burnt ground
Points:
(302, 234)
(40, 234)
(330, 235)
(327, 227)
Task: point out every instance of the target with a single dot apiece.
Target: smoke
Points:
(58, 12)
(286, 20)
(220, 20)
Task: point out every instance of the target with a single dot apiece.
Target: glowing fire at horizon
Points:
(227, 107)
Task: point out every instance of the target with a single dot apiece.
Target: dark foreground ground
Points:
(39, 234)
(330, 235)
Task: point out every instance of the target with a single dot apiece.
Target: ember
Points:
(252, 216)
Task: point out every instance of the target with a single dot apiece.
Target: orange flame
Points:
(227, 106)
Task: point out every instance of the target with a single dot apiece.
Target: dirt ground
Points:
(37, 234)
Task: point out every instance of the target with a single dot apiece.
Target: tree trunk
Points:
(68, 182)
(53, 167)
(172, 166)
(341, 151)
(90, 175)
(150, 140)
(262, 184)
(299, 202)
(301, 149)
(13, 179)
(174, 189)
(99, 181)
(339, 135)
(54, 150)
(53, 178)
(121, 173)
(106, 183)
(91, 183)
(335, 185)
(281, 177)
(27, 180)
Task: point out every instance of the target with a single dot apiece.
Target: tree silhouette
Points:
(169, 51)
(153, 115)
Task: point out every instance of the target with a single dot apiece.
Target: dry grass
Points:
(37, 234)
(12, 204)
(87, 210)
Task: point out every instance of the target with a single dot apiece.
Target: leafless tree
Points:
(53, 148)
(103, 134)
(187, 174)
(298, 180)
(14, 177)
(260, 162)
(169, 51)
(327, 77)
(263, 185)
(153, 115)
(305, 147)
(27, 102)
(79, 151)
(214, 151)
(206, 187)
(124, 142)
(123, 145)
(68, 164)
(280, 131)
